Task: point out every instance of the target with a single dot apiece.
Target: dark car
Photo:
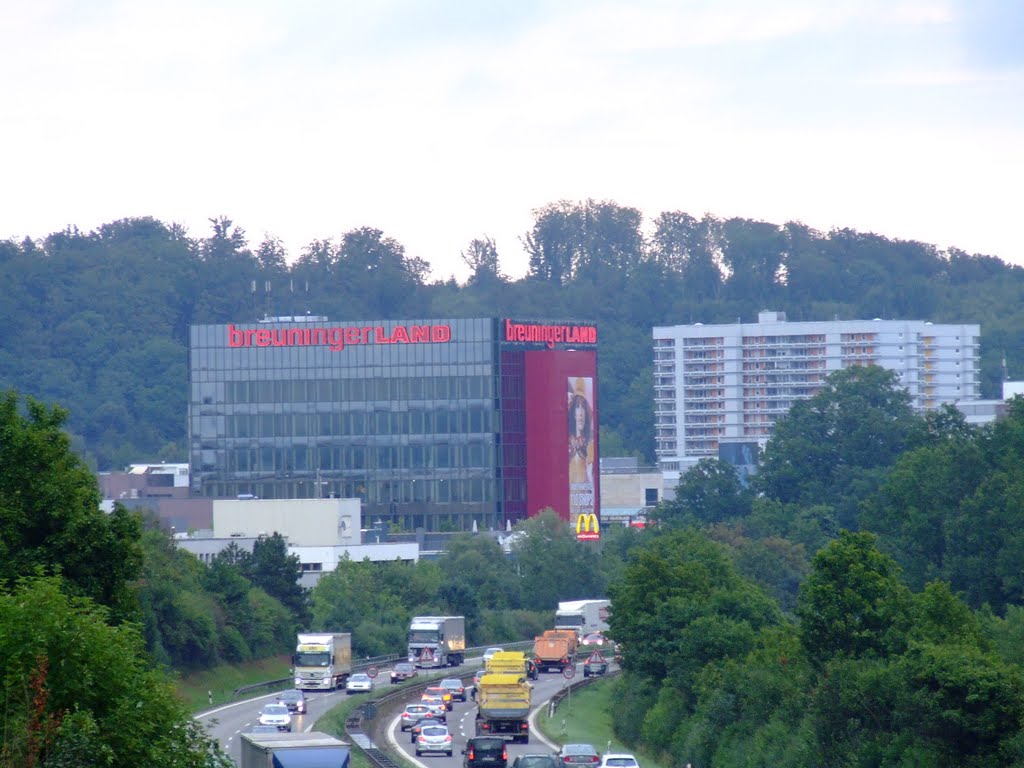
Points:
(531, 669)
(455, 687)
(294, 700)
(594, 666)
(546, 760)
(403, 671)
(579, 755)
(485, 752)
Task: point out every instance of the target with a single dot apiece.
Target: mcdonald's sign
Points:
(588, 528)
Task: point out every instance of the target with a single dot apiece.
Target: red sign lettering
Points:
(338, 337)
(550, 334)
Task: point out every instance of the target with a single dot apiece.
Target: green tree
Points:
(837, 447)
(709, 492)
(680, 605)
(50, 517)
(78, 691)
(552, 565)
(853, 604)
(277, 573)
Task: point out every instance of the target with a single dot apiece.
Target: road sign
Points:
(427, 654)
(569, 673)
(371, 672)
(596, 658)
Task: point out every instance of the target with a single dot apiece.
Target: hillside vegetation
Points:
(97, 322)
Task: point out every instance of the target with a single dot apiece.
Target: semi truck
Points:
(293, 750)
(583, 616)
(437, 641)
(555, 650)
(503, 706)
(512, 662)
(322, 661)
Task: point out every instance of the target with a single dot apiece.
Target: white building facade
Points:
(730, 383)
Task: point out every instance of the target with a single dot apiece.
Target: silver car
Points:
(277, 715)
(434, 738)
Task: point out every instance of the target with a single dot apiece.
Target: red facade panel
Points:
(561, 432)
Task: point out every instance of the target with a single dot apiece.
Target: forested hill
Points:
(97, 322)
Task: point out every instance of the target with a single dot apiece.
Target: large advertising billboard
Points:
(562, 437)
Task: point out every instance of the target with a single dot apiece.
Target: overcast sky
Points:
(439, 122)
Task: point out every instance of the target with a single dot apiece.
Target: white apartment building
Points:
(729, 383)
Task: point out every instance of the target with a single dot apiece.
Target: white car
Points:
(359, 684)
(618, 760)
(490, 652)
(276, 715)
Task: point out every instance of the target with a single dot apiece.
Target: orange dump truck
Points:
(555, 650)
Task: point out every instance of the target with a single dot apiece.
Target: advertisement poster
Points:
(582, 435)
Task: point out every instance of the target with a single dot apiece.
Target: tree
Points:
(837, 447)
(853, 604)
(709, 492)
(277, 573)
(50, 517)
(80, 692)
(552, 564)
(680, 605)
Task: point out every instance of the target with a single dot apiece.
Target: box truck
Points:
(583, 616)
(323, 661)
(437, 641)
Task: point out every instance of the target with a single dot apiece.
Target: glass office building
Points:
(441, 424)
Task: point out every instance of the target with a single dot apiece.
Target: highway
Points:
(225, 723)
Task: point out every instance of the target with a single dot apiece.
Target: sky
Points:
(439, 122)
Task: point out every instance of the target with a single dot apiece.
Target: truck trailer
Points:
(293, 750)
(583, 616)
(437, 641)
(503, 706)
(322, 661)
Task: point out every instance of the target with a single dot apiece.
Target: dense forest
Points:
(98, 321)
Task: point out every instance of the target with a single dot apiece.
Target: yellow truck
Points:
(512, 662)
(503, 706)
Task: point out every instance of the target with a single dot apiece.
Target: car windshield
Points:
(451, 683)
(578, 749)
(416, 710)
(291, 696)
(275, 709)
(403, 667)
(484, 744)
(434, 730)
(620, 761)
(360, 678)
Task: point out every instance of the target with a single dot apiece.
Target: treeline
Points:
(102, 317)
(859, 605)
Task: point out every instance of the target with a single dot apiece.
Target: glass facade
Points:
(423, 420)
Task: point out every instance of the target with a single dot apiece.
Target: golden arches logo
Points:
(588, 527)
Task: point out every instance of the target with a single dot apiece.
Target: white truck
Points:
(293, 750)
(322, 661)
(437, 641)
(583, 616)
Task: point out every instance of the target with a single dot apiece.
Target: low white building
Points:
(321, 532)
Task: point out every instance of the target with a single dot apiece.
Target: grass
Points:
(221, 682)
(584, 717)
